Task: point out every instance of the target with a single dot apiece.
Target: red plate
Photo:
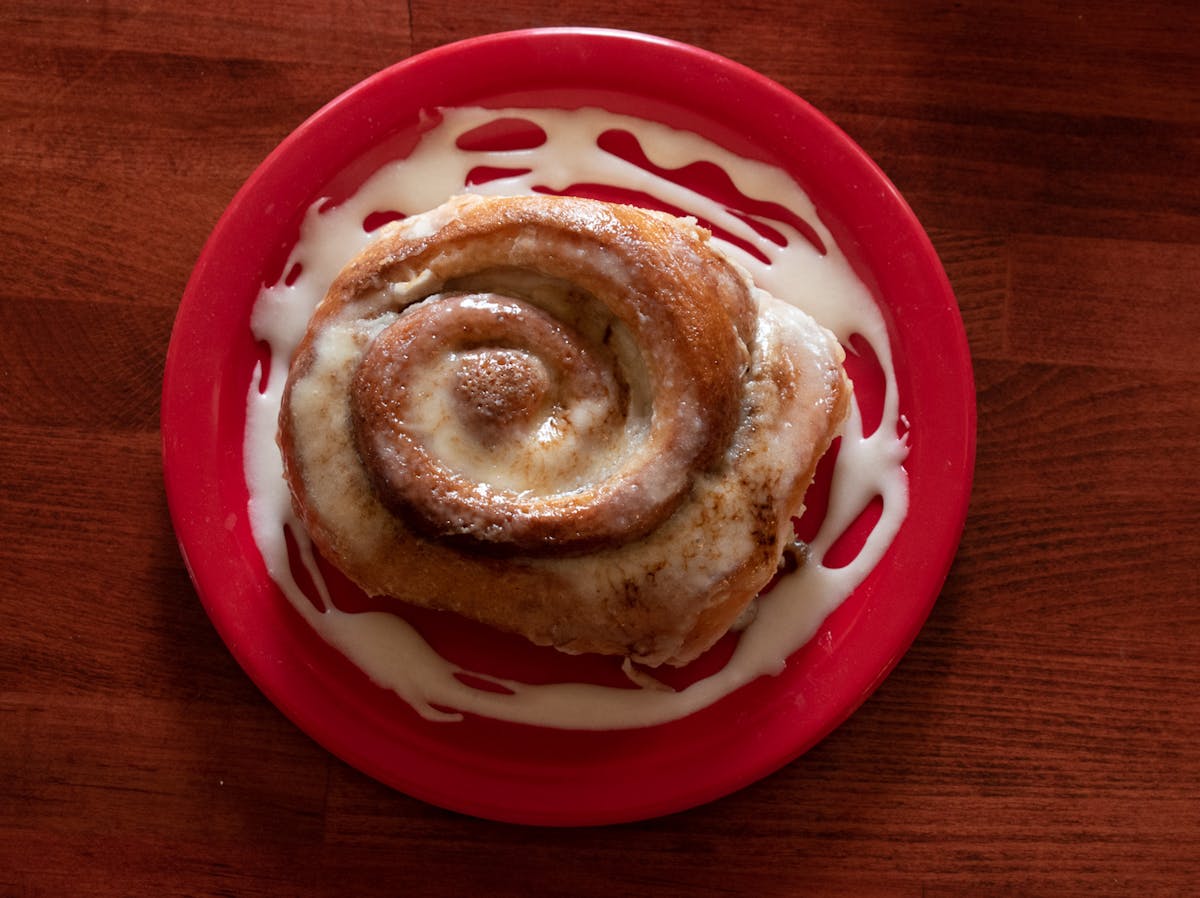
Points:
(520, 773)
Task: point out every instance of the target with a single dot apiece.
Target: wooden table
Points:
(1042, 737)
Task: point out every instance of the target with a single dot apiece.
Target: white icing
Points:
(384, 645)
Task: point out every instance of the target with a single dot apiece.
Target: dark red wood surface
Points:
(1042, 737)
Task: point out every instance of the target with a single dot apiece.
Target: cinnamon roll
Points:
(567, 419)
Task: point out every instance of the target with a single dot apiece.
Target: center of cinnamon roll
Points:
(488, 420)
(499, 392)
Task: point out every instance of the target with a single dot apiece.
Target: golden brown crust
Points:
(561, 417)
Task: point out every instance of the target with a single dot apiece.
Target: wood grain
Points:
(1042, 737)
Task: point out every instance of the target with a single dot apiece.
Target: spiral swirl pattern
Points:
(538, 389)
(490, 420)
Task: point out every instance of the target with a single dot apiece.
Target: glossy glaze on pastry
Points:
(571, 420)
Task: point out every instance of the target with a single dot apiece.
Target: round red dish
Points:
(520, 773)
